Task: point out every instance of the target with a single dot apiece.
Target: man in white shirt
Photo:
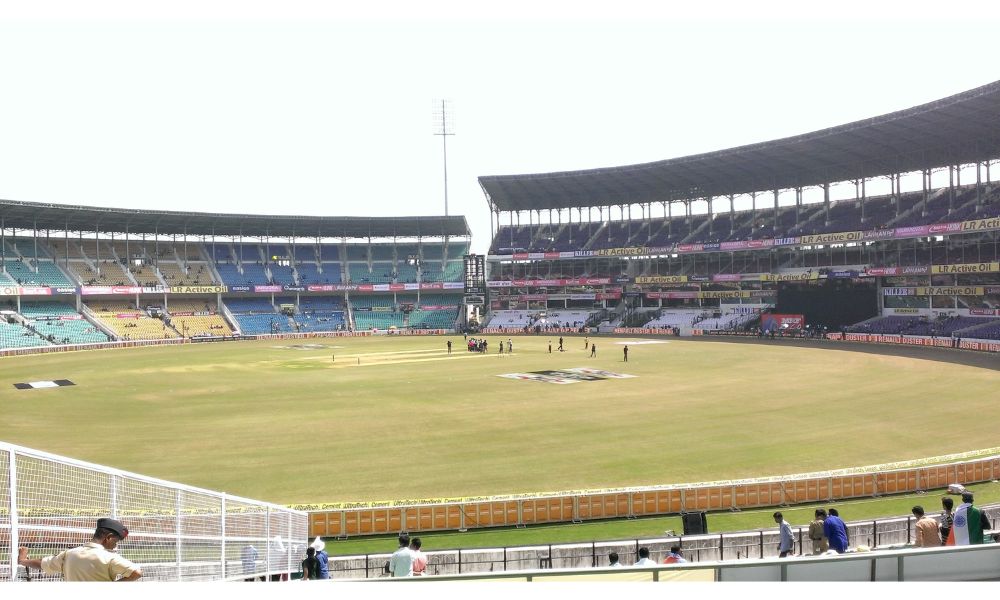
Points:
(613, 560)
(644, 560)
(401, 562)
(93, 561)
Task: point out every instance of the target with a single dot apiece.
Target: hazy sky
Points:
(314, 108)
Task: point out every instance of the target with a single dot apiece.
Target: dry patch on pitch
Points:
(370, 359)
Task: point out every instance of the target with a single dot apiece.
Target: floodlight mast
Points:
(443, 126)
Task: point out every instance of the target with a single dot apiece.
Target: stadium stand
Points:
(14, 335)
(173, 274)
(60, 323)
(257, 316)
(128, 322)
(511, 318)
(309, 273)
(197, 318)
(47, 274)
(110, 273)
(321, 314)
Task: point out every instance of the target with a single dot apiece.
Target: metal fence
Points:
(49, 503)
(761, 544)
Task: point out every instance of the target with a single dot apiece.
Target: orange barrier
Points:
(604, 504)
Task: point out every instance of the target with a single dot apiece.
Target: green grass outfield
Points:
(397, 418)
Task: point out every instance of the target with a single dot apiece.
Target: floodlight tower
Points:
(443, 120)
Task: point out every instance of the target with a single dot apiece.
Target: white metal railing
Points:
(949, 563)
(49, 503)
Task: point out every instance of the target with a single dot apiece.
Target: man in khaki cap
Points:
(93, 561)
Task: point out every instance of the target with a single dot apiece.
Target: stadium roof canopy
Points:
(959, 129)
(39, 216)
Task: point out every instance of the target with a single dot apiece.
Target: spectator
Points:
(644, 560)
(419, 558)
(786, 543)
(968, 525)
(926, 533)
(93, 561)
(675, 556)
(819, 541)
(310, 566)
(249, 557)
(613, 560)
(947, 518)
(835, 531)
(401, 562)
(322, 558)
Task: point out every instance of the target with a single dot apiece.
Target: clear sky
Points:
(315, 108)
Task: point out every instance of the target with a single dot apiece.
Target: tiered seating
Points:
(324, 313)
(281, 275)
(378, 320)
(406, 273)
(61, 324)
(26, 247)
(199, 273)
(310, 275)
(221, 253)
(48, 274)
(382, 272)
(436, 299)
(129, 323)
(13, 335)
(891, 324)
(230, 274)
(989, 331)
(197, 325)
(328, 253)
(305, 253)
(730, 320)
(6, 279)
(247, 253)
(375, 312)
(193, 253)
(457, 250)
(945, 327)
(359, 273)
(433, 319)
(145, 275)
(404, 251)
(454, 270)
(675, 318)
(256, 316)
(383, 252)
(249, 305)
(254, 274)
(111, 273)
(512, 318)
(568, 318)
(259, 324)
(355, 252)
(275, 252)
(371, 302)
(430, 252)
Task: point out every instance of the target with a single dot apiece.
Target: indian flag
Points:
(967, 527)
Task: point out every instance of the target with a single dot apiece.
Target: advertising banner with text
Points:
(991, 267)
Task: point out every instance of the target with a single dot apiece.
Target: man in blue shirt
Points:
(835, 531)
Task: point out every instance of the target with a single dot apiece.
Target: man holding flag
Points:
(969, 524)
